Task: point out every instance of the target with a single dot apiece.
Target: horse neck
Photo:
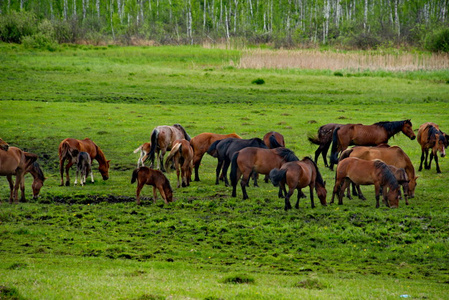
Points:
(100, 157)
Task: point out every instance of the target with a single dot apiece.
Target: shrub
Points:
(39, 41)
(439, 42)
(258, 81)
(16, 25)
(239, 279)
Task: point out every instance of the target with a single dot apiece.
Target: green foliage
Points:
(9, 293)
(258, 81)
(439, 41)
(39, 41)
(14, 26)
(239, 279)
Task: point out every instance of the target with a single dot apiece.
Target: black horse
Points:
(323, 140)
(223, 150)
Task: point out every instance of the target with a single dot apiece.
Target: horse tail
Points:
(334, 151)
(134, 176)
(138, 149)
(64, 150)
(345, 154)
(273, 142)
(277, 175)
(234, 167)
(212, 151)
(176, 148)
(154, 137)
(314, 139)
(186, 136)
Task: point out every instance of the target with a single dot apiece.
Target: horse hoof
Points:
(67, 183)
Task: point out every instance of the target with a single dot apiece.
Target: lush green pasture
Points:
(94, 242)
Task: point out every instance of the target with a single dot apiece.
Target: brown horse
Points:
(202, 142)
(431, 137)
(15, 162)
(69, 149)
(273, 140)
(298, 175)
(38, 180)
(256, 160)
(181, 156)
(157, 179)
(3, 145)
(366, 172)
(144, 151)
(323, 140)
(393, 156)
(367, 135)
(162, 139)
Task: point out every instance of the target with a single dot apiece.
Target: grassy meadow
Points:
(94, 242)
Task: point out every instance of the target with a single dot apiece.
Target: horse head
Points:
(407, 129)
(104, 170)
(442, 144)
(38, 179)
(393, 196)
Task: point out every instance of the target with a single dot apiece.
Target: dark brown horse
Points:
(256, 160)
(181, 156)
(430, 137)
(155, 178)
(69, 149)
(202, 142)
(144, 151)
(367, 135)
(298, 175)
(273, 140)
(38, 180)
(162, 139)
(366, 172)
(393, 156)
(323, 140)
(3, 145)
(15, 162)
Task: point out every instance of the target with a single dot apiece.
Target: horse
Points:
(155, 178)
(323, 140)
(223, 150)
(69, 149)
(181, 156)
(367, 135)
(144, 151)
(256, 160)
(393, 156)
(38, 180)
(273, 139)
(162, 139)
(201, 143)
(15, 162)
(3, 145)
(431, 137)
(366, 172)
(83, 167)
(298, 175)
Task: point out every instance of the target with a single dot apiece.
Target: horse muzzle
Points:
(105, 177)
(413, 137)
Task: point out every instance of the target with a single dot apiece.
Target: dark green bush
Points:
(439, 42)
(239, 279)
(258, 81)
(16, 25)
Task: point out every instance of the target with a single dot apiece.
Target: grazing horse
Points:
(157, 179)
(225, 149)
(15, 162)
(3, 145)
(256, 160)
(393, 156)
(366, 172)
(144, 151)
(273, 139)
(162, 139)
(38, 180)
(69, 149)
(298, 175)
(201, 143)
(323, 140)
(431, 137)
(181, 156)
(367, 135)
(83, 167)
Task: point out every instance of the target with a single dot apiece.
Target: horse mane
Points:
(36, 168)
(432, 132)
(319, 178)
(393, 127)
(259, 142)
(187, 137)
(388, 176)
(286, 154)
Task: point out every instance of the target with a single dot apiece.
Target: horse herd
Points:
(370, 162)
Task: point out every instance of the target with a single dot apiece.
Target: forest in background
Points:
(351, 24)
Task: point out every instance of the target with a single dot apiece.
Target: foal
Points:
(83, 167)
(157, 179)
(144, 153)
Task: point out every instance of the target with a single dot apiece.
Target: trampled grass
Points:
(93, 241)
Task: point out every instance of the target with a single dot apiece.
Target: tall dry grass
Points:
(312, 59)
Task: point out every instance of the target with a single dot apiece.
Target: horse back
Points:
(10, 160)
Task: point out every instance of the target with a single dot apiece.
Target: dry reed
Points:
(360, 61)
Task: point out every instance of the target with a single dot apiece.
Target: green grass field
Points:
(94, 242)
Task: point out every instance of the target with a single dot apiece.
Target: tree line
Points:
(354, 23)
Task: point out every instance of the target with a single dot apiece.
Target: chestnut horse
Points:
(181, 156)
(38, 180)
(393, 156)
(144, 151)
(366, 172)
(431, 137)
(298, 175)
(323, 140)
(202, 142)
(15, 162)
(367, 135)
(273, 139)
(157, 179)
(162, 139)
(256, 160)
(3, 145)
(69, 149)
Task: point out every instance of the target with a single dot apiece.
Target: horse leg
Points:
(282, 190)
(139, 189)
(343, 187)
(317, 153)
(161, 160)
(67, 168)
(361, 196)
(255, 176)
(336, 189)
(161, 191)
(226, 164)
(91, 176)
(311, 197)
(19, 180)
(217, 171)
(348, 192)
(154, 194)
(178, 171)
(377, 191)
(196, 164)
(22, 191)
(11, 188)
(436, 162)
(243, 184)
(234, 187)
(287, 199)
(324, 154)
(427, 164)
(61, 170)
